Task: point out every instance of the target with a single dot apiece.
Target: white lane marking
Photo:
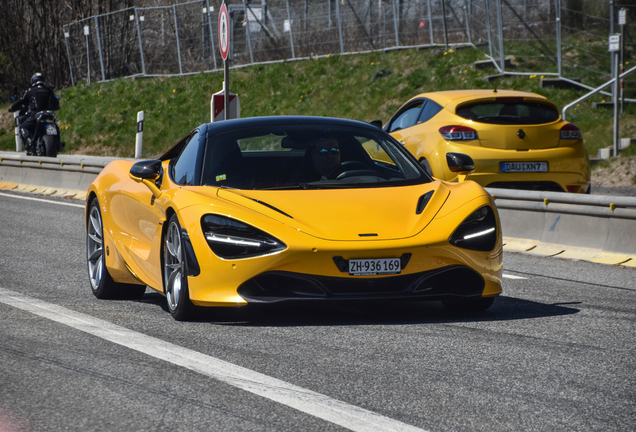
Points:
(307, 401)
(507, 276)
(41, 199)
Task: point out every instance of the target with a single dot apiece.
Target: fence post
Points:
(488, 29)
(291, 34)
(444, 24)
(470, 39)
(140, 134)
(558, 29)
(176, 32)
(247, 32)
(88, 53)
(18, 137)
(68, 53)
(141, 49)
(430, 22)
(339, 26)
(99, 46)
(502, 59)
(396, 23)
(211, 33)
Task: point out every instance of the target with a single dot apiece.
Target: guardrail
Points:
(588, 227)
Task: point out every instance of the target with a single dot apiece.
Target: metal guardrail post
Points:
(18, 137)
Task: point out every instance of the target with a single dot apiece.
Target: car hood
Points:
(347, 214)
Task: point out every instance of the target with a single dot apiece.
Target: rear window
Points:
(509, 112)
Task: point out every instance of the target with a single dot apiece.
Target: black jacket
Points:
(35, 99)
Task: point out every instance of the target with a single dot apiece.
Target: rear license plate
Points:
(524, 167)
(378, 266)
(51, 130)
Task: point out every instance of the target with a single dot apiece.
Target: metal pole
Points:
(430, 22)
(502, 60)
(141, 49)
(88, 54)
(470, 39)
(176, 32)
(339, 26)
(396, 23)
(558, 29)
(444, 24)
(99, 46)
(611, 17)
(616, 119)
(247, 34)
(68, 54)
(622, 62)
(291, 35)
(486, 4)
(211, 34)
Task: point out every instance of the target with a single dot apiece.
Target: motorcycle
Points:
(46, 140)
(46, 137)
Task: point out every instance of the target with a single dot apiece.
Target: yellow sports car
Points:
(283, 209)
(517, 139)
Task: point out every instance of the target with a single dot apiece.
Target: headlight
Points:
(229, 238)
(478, 232)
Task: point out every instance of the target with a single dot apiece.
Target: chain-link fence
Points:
(561, 37)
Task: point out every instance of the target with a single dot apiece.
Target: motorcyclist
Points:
(37, 98)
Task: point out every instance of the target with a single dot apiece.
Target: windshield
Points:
(305, 157)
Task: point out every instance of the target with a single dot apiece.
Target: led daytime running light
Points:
(478, 234)
(232, 240)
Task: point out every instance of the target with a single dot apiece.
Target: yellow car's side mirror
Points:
(150, 173)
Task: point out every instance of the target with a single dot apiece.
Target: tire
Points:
(102, 284)
(50, 145)
(426, 167)
(469, 305)
(175, 279)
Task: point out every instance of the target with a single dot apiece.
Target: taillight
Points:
(458, 133)
(569, 131)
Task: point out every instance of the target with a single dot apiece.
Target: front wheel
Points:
(50, 145)
(102, 284)
(175, 279)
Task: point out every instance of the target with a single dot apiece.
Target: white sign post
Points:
(614, 47)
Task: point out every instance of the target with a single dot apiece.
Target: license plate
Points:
(377, 266)
(51, 130)
(524, 167)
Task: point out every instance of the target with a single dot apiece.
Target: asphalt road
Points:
(555, 352)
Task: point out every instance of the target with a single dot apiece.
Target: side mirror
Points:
(377, 123)
(461, 164)
(150, 173)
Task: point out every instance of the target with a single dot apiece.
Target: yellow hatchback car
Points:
(517, 139)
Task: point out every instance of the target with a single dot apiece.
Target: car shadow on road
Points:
(371, 313)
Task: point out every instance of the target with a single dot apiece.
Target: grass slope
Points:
(100, 119)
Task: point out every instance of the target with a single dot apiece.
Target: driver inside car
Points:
(326, 156)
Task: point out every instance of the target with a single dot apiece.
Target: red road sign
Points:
(224, 32)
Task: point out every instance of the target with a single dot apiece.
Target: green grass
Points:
(100, 119)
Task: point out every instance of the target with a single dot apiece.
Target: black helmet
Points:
(37, 79)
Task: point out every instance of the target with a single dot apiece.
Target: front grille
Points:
(544, 186)
(277, 286)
